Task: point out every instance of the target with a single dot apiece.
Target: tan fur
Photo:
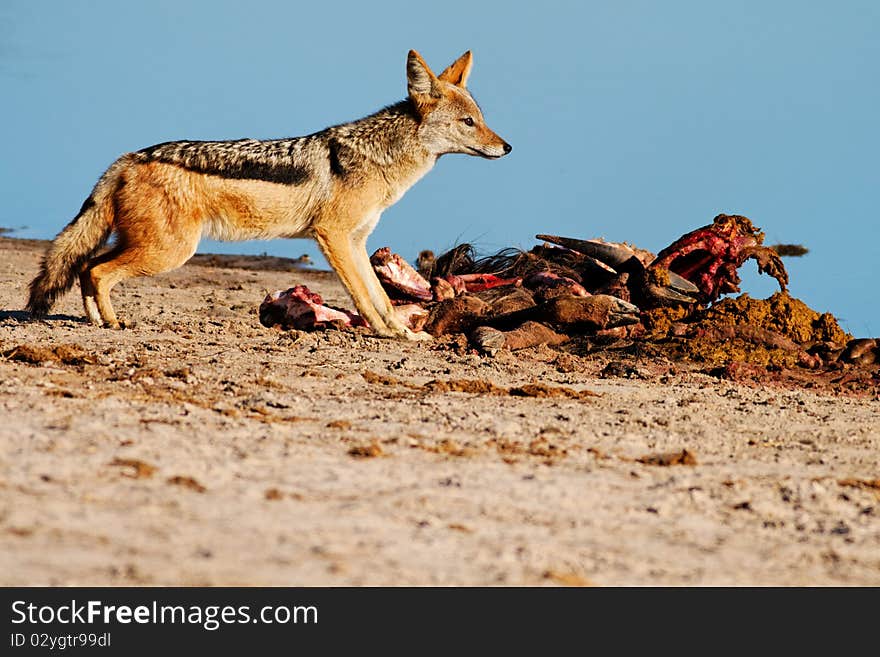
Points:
(161, 201)
(458, 71)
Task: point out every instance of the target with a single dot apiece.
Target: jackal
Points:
(332, 186)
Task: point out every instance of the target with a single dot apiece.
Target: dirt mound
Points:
(778, 331)
(781, 313)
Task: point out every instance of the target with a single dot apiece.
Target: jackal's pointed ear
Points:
(420, 79)
(458, 71)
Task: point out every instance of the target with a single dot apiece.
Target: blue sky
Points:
(634, 121)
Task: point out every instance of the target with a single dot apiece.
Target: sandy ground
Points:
(200, 448)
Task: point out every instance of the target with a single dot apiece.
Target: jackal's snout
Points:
(492, 148)
(505, 148)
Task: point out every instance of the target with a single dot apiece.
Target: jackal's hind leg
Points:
(89, 294)
(152, 255)
(101, 275)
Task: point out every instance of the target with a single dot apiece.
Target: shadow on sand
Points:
(25, 316)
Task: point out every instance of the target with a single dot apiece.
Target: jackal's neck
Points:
(388, 137)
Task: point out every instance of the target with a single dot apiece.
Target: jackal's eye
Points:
(468, 121)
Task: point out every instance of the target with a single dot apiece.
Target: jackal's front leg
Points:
(378, 296)
(337, 248)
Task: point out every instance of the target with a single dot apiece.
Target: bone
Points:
(412, 315)
(300, 308)
(398, 277)
(709, 256)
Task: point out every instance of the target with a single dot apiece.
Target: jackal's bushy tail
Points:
(76, 244)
